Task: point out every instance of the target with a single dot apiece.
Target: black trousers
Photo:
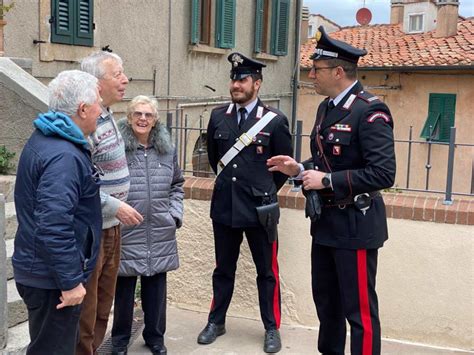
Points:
(153, 296)
(52, 331)
(227, 242)
(343, 283)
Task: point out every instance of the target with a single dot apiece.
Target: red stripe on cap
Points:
(364, 302)
(276, 293)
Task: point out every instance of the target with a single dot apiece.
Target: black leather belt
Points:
(330, 201)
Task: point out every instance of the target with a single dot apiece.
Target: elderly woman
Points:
(149, 250)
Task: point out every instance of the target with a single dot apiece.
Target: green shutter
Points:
(195, 20)
(62, 25)
(225, 23)
(84, 31)
(280, 23)
(259, 26)
(440, 119)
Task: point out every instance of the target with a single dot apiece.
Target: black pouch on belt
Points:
(269, 216)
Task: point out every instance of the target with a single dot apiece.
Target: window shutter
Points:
(195, 20)
(84, 31)
(225, 23)
(440, 119)
(259, 26)
(280, 22)
(62, 25)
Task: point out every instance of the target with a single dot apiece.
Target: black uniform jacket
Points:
(245, 182)
(357, 139)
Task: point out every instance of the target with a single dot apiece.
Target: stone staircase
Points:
(17, 337)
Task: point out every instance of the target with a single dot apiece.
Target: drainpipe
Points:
(296, 68)
(168, 84)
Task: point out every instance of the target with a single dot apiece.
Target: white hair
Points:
(71, 88)
(93, 64)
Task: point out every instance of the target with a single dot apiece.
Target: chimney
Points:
(396, 12)
(447, 19)
(304, 25)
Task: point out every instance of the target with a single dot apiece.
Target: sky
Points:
(343, 12)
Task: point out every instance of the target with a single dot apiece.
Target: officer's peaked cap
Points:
(329, 48)
(243, 66)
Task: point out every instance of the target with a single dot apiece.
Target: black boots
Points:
(210, 333)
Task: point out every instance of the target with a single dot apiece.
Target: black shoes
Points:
(157, 349)
(272, 343)
(210, 333)
(116, 351)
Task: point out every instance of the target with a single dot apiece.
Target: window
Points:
(415, 23)
(310, 31)
(279, 19)
(201, 17)
(440, 117)
(72, 22)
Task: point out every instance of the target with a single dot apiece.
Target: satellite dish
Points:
(363, 16)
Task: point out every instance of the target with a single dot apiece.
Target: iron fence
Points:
(194, 160)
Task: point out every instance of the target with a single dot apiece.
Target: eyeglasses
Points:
(315, 69)
(148, 115)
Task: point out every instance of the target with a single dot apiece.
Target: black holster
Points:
(313, 200)
(269, 216)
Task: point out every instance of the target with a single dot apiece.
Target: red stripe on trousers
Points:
(276, 293)
(364, 302)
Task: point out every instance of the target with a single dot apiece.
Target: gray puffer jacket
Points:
(156, 192)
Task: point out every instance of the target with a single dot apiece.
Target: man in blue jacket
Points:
(59, 214)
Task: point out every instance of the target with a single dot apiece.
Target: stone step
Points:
(17, 312)
(9, 245)
(11, 222)
(18, 339)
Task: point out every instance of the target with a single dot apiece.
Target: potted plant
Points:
(3, 10)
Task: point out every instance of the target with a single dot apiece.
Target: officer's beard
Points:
(243, 96)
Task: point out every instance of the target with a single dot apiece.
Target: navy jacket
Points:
(357, 139)
(245, 183)
(59, 215)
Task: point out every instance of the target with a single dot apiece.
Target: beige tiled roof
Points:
(389, 46)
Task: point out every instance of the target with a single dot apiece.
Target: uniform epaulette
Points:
(367, 96)
(273, 109)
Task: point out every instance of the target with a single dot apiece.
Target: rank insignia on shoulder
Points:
(376, 115)
(229, 109)
(336, 150)
(341, 128)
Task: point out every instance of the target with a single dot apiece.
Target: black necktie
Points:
(242, 112)
(331, 105)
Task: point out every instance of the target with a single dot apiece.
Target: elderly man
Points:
(59, 217)
(353, 157)
(108, 153)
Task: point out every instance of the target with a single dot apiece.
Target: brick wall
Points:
(417, 207)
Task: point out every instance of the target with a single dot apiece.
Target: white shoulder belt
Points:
(244, 140)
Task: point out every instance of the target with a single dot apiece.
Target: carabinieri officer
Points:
(352, 150)
(241, 137)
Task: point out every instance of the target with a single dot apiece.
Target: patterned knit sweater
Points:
(108, 153)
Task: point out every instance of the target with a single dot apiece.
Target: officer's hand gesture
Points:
(284, 164)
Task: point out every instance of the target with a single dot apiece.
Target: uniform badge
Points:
(259, 112)
(229, 109)
(236, 60)
(318, 35)
(259, 149)
(376, 115)
(331, 136)
(341, 128)
(336, 150)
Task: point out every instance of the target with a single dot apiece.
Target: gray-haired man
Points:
(108, 153)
